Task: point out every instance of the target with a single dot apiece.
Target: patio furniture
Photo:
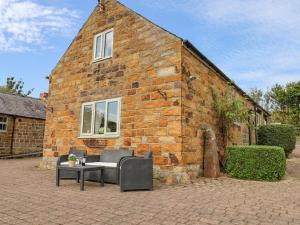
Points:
(80, 173)
(136, 173)
(110, 160)
(63, 161)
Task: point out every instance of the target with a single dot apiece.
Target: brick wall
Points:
(28, 136)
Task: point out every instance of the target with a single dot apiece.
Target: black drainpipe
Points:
(13, 136)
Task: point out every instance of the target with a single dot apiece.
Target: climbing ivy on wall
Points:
(230, 108)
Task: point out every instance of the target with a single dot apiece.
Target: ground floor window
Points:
(101, 118)
(3, 123)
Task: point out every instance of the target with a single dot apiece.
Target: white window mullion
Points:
(106, 112)
(102, 45)
(93, 118)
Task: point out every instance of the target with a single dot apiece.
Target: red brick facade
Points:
(161, 110)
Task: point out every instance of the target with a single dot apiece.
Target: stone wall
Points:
(5, 138)
(161, 110)
(198, 112)
(28, 136)
(145, 71)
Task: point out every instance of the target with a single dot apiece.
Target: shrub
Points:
(256, 162)
(277, 135)
(72, 157)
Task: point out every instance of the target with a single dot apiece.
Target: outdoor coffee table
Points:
(80, 170)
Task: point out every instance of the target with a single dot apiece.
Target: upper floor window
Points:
(3, 123)
(103, 45)
(101, 118)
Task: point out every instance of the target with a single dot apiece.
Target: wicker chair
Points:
(136, 173)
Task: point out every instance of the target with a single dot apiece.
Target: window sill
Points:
(100, 136)
(101, 59)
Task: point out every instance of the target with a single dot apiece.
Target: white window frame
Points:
(4, 123)
(106, 134)
(102, 50)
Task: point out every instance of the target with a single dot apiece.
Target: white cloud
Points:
(262, 44)
(26, 25)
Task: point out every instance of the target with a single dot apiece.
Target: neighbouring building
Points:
(125, 82)
(22, 124)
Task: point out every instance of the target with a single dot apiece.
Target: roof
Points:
(22, 106)
(190, 46)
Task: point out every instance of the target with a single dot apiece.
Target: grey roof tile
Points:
(22, 106)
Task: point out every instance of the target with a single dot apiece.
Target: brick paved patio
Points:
(29, 196)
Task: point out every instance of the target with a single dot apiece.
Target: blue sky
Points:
(256, 43)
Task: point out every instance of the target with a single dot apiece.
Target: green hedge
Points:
(277, 135)
(256, 162)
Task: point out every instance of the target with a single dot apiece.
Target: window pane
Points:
(108, 44)
(4, 127)
(2, 119)
(98, 47)
(1, 127)
(87, 119)
(100, 118)
(112, 117)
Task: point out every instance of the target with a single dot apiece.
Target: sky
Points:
(256, 43)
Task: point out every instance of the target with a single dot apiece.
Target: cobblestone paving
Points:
(29, 196)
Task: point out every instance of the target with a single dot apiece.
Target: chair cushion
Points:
(105, 164)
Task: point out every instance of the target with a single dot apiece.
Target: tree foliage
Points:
(257, 95)
(282, 101)
(15, 87)
(285, 104)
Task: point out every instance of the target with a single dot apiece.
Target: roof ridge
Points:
(19, 96)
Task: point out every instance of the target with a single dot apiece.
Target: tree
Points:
(256, 94)
(285, 103)
(15, 87)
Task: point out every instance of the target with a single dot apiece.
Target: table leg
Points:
(78, 176)
(57, 176)
(81, 180)
(102, 177)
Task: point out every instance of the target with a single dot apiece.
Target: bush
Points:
(256, 162)
(277, 135)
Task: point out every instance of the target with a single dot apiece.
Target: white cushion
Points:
(106, 164)
(64, 163)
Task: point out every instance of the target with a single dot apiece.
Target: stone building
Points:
(22, 124)
(125, 82)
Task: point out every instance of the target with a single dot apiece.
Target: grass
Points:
(298, 138)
